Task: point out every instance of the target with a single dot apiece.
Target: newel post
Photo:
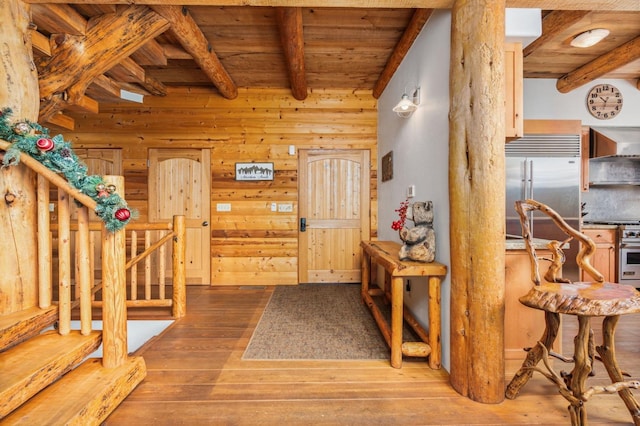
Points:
(114, 290)
(179, 267)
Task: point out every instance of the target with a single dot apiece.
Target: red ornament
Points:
(45, 144)
(104, 193)
(122, 214)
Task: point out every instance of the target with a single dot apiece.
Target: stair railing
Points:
(114, 314)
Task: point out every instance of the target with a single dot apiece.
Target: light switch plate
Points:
(223, 207)
(285, 208)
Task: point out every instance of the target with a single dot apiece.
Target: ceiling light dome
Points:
(589, 38)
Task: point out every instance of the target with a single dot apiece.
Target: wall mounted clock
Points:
(604, 101)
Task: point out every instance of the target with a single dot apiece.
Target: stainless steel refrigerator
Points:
(547, 169)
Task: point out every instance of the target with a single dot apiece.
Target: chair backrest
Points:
(583, 258)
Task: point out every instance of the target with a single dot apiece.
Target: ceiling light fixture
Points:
(589, 38)
(407, 106)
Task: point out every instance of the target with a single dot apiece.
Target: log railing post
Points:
(83, 279)
(44, 244)
(64, 263)
(179, 267)
(114, 292)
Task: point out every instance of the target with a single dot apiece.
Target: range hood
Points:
(615, 142)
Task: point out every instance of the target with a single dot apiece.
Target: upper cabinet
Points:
(514, 121)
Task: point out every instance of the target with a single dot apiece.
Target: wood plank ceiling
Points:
(86, 52)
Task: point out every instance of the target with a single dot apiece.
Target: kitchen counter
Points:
(598, 226)
(514, 242)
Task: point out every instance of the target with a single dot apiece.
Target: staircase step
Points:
(19, 326)
(32, 365)
(84, 396)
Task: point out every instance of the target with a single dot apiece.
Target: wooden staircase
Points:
(45, 375)
(48, 379)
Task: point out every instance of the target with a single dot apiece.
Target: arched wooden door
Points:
(180, 184)
(334, 204)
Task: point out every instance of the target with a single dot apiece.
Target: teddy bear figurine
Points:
(419, 241)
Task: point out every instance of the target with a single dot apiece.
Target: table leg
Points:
(396, 322)
(535, 354)
(434, 323)
(581, 369)
(608, 356)
(366, 265)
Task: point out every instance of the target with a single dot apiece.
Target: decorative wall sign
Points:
(387, 166)
(254, 171)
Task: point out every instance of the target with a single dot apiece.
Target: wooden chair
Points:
(555, 296)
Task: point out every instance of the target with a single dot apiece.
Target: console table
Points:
(385, 254)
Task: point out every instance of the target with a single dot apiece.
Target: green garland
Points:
(57, 155)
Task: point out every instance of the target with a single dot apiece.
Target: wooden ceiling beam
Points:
(40, 43)
(85, 104)
(554, 23)
(58, 19)
(621, 55)
(405, 4)
(61, 120)
(195, 42)
(292, 39)
(103, 85)
(417, 22)
(150, 53)
(78, 60)
(127, 71)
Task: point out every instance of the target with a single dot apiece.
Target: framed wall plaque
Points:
(387, 166)
(254, 171)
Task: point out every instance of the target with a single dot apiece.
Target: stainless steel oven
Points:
(629, 255)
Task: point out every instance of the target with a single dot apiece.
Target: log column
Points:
(477, 198)
(19, 91)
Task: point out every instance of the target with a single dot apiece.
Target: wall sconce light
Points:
(407, 105)
(589, 38)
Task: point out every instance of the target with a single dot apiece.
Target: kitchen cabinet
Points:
(514, 109)
(584, 160)
(604, 259)
(523, 326)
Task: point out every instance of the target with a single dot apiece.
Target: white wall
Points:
(420, 146)
(543, 101)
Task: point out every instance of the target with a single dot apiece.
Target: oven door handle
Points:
(629, 246)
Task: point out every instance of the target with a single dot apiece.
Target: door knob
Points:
(303, 224)
(205, 223)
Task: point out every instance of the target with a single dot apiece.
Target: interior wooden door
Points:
(101, 161)
(180, 184)
(334, 205)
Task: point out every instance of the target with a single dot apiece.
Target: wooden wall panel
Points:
(250, 244)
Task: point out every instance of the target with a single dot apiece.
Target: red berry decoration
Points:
(122, 214)
(45, 144)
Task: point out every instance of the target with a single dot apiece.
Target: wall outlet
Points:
(223, 207)
(285, 208)
(411, 191)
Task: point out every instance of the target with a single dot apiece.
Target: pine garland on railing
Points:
(57, 155)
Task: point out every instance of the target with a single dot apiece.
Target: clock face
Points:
(604, 101)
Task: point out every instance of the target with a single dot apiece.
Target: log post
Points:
(19, 91)
(179, 267)
(114, 291)
(477, 198)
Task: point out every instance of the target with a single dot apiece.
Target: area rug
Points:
(317, 321)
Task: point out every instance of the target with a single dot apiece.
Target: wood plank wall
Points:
(250, 244)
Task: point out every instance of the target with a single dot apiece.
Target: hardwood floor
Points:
(196, 377)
